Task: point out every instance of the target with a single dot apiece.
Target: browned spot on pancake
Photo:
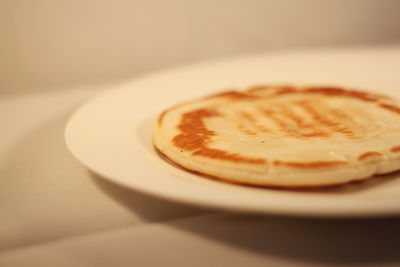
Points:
(369, 154)
(286, 90)
(195, 137)
(272, 115)
(342, 116)
(221, 154)
(321, 115)
(329, 91)
(244, 130)
(334, 91)
(395, 149)
(248, 116)
(258, 88)
(317, 114)
(248, 132)
(194, 132)
(301, 129)
(310, 165)
(312, 134)
(235, 95)
(252, 120)
(279, 88)
(299, 121)
(391, 108)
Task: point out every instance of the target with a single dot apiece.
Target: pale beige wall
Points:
(55, 43)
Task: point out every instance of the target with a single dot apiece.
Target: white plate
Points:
(111, 133)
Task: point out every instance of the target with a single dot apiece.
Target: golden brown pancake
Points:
(284, 136)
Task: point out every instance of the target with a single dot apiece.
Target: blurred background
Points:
(48, 44)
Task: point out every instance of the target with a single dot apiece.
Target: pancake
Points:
(284, 136)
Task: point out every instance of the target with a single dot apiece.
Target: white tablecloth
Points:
(54, 212)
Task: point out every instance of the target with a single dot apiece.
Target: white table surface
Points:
(54, 212)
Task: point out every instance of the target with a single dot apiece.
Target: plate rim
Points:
(71, 126)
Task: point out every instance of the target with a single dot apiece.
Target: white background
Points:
(47, 44)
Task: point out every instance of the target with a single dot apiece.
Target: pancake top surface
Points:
(284, 127)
